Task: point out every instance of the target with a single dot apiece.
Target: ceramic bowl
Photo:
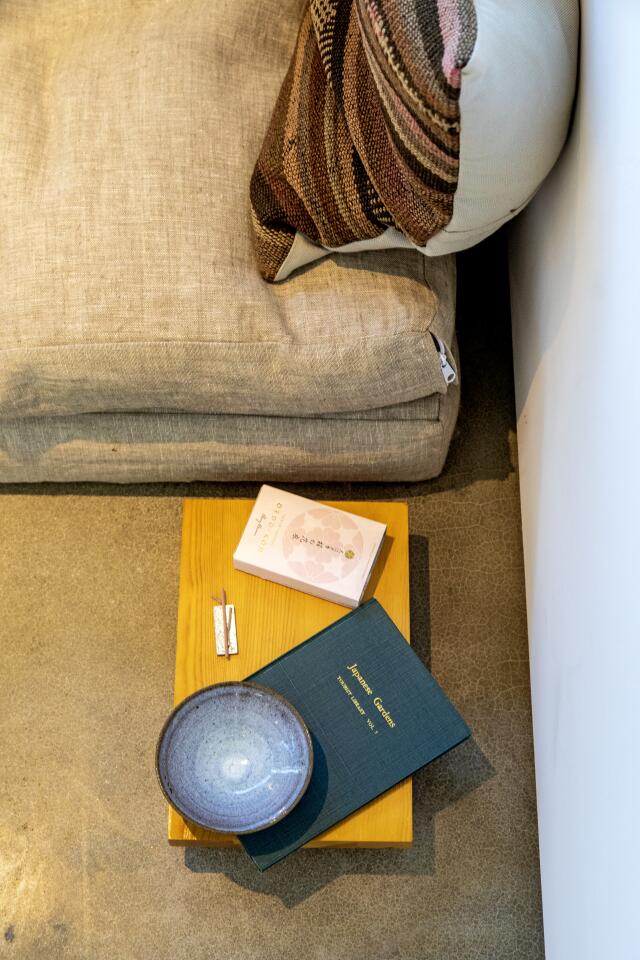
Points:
(234, 758)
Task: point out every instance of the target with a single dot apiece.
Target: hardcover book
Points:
(299, 543)
(375, 714)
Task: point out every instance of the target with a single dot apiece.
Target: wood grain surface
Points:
(270, 620)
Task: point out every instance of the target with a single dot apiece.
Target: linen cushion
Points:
(404, 442)
(411, 123)
(128, 133)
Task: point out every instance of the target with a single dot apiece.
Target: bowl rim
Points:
(263, 689)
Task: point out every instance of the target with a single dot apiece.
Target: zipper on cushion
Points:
(448, 370)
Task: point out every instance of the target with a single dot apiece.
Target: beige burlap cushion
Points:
(128, 133)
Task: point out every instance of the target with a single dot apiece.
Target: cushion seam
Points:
(216, 343)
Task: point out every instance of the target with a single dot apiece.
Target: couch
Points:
(138, 341)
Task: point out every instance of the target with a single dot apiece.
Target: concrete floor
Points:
(89, 578)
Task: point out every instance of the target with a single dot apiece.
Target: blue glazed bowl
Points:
(234, 758)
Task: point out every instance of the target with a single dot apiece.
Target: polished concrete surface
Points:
(89, 577)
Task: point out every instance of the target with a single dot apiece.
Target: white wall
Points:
(575, 261)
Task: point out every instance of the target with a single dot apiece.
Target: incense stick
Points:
(225, 627)
(226, 622)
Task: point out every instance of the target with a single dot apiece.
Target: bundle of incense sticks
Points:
(222, 599)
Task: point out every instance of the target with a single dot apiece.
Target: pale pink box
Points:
(299, 543)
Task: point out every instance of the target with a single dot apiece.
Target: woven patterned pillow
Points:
(423, 123)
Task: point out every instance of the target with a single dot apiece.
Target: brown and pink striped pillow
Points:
(395, 126)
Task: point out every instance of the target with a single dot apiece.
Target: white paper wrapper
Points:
(219, 629)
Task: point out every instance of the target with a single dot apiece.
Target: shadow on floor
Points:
(436, 787)
(305, 872)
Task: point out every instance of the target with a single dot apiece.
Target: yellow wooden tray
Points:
(270, 620)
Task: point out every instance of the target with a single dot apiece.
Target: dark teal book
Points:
(375, 714)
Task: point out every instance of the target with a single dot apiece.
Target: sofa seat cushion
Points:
(128, 132)
(405, 442)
